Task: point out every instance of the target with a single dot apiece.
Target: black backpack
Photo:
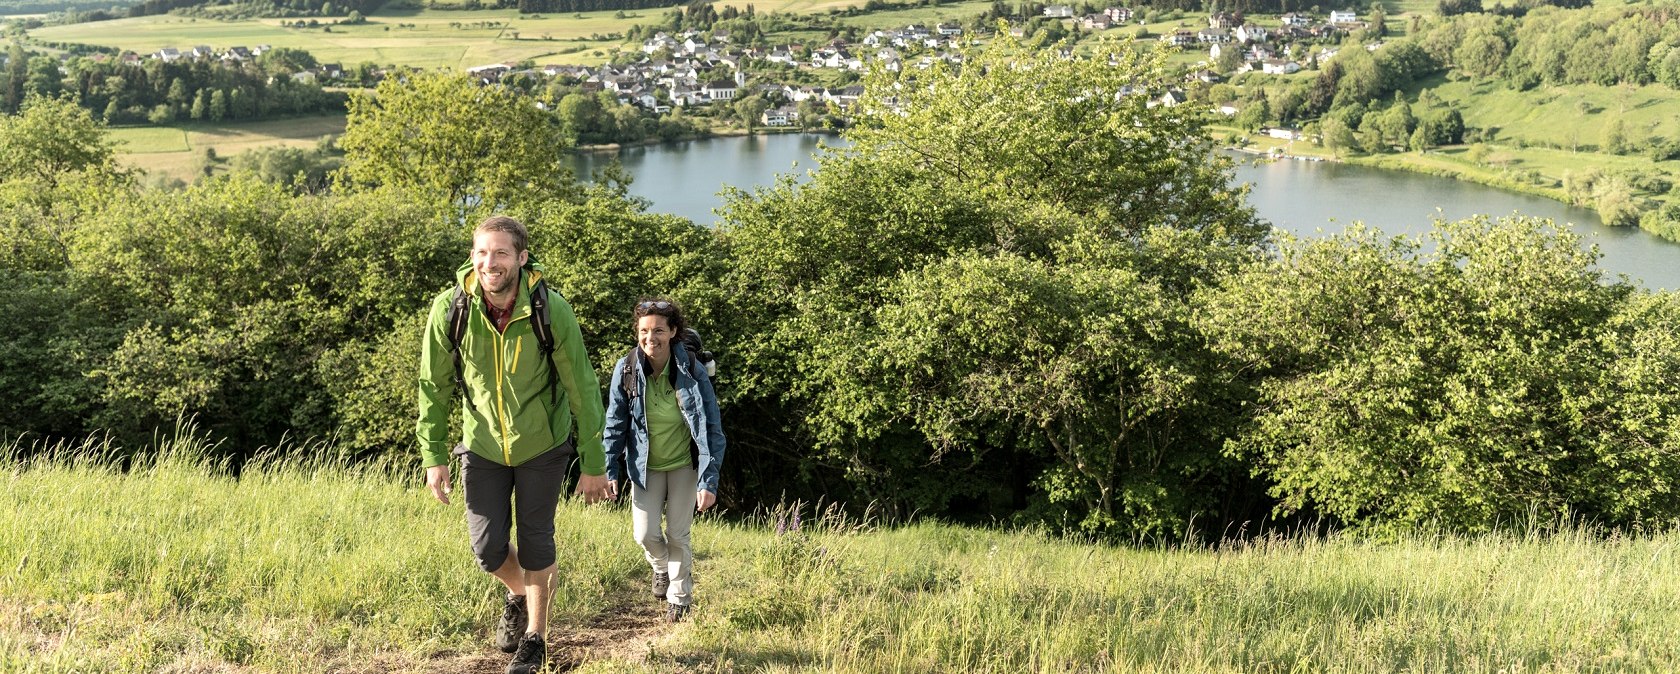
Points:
(457, 324)
(690, 340)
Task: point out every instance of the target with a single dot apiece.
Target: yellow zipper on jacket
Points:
(501, 406)
(518, 345)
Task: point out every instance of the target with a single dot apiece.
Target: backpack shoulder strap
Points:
(632, 377)
(545, 336)
(456, 327)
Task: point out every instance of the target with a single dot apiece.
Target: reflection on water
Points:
(1306, 198)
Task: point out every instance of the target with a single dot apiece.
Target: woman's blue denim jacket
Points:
(626, 434)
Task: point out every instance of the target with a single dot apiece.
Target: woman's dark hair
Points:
(659, 306)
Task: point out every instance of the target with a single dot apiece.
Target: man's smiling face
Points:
(496, 261)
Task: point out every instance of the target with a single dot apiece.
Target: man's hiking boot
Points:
(532, 656)
(675, 612)
(661, 583)
(512, 626)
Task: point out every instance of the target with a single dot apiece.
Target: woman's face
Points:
(653, 335)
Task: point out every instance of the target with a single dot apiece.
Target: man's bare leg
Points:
(510, 574)
(539, 589)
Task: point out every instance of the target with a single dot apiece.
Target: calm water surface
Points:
(1306, 198)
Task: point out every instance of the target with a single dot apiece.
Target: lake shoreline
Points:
(1400, 162)
(608, 148)
(1302, 196)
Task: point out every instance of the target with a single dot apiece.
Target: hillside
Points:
(312, 566)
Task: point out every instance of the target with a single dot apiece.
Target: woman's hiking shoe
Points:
(661, 583)
(512, 626)
(675, 613)
(531, 656)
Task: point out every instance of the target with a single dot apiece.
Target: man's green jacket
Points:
(509, 418)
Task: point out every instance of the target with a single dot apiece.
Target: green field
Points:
(426, 40)
(790, 6)
(1577, 115)
(317, 566)
(179, 151)
(926, 16)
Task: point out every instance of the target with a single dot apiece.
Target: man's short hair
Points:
(502, 223)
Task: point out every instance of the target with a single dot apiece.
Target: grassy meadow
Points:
(179, 151)
(927, 16)
(425, 38)
(310, 566)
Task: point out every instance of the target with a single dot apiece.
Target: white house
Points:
(1295, 19)
(1118, 14)
(846, 95)
(1279, 67)
(1343, 16)
(1170, 99)
(660, 41)
(1059, 11)
(1249, 32)
(1179, 38)
(720, 91)
(781, 55)
(786, 115)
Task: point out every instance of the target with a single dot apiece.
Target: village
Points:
(694, 69)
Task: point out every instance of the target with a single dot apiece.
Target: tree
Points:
(1338, 138)
(201, 105)
(583, 117)
(1615, 137)
(956, 293)
(218, 105)
(161, 114)
(43, 78)
(1481, 53)
(1255, 114)
(16, 74)
(417, 133)
(51, 138)
(287, 60)
(749, 109)
(1467, 384)
(178, 95)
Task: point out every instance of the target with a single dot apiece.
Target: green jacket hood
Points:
(468, 278)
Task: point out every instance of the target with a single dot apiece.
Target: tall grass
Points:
(300, 565)
(316, 565)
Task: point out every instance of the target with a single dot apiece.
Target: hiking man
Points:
(512, 349)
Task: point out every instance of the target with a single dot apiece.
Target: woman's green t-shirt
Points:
(668, 435)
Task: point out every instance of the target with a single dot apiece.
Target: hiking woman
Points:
(663, 435)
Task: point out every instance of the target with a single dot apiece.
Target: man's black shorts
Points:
(498, 496)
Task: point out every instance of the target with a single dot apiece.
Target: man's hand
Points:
(612, 489)
(704, 499)
(593, 487)
(437, 478)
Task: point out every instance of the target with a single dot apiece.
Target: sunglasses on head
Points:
(654, 305)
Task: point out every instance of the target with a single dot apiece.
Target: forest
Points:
(162, 92)
(1082, 326)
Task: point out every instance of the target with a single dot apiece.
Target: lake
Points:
(1306, 198)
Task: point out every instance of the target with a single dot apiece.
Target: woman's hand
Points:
(704, 499)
